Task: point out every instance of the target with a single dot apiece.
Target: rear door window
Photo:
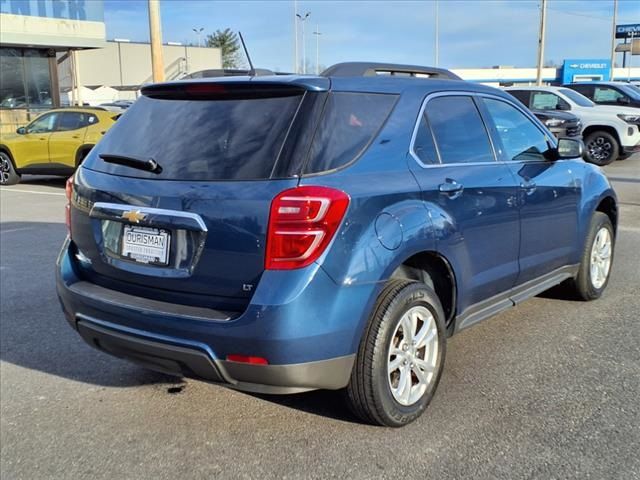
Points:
(205, 139)
(349, 122)
(458, 129)
(71, 121)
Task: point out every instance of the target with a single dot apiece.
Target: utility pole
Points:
(302, 19)
(295, 35)
(630, 58)
(317, 33)
(543, 21)
(437, 34)
(155, 32)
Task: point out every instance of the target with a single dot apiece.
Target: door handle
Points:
(42, 138)
(451, 188)
(528, 187)
(75, 136)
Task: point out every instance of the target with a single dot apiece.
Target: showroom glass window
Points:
(25, 79)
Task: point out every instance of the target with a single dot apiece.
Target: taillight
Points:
(302, 223)
(68, 190)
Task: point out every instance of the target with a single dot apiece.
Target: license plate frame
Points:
(146, 245)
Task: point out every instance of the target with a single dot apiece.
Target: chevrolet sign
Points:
(628, 31)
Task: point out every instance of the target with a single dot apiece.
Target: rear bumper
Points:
(305, 325)
(195, 361)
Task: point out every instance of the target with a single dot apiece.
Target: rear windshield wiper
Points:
(148, 164)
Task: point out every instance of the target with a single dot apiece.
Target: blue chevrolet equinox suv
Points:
(278, 234)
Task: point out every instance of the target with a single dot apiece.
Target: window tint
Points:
(221, 139)
(522, 95)
(458, 130)
(521, 139)
(607, 94)
(44, 124)
(577, 97)
(423, 146)
(548, 101)
(586, 90)
(71, 121)
(349, 122)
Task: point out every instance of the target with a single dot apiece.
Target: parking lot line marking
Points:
(18, 190)
(16, 229)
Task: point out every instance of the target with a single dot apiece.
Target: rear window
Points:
(221, 139)
(348, 124)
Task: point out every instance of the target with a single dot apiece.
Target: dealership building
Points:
(54, 52)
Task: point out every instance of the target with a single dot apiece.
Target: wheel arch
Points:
(82, 152)
(604, 128)
(436, 271)
(609, 207)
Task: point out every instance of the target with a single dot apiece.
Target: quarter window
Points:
(460, 134)
(423, 146)
(521, 139)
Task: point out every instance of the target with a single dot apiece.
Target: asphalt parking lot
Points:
(549, 389)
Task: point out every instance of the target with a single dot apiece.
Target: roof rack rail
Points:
(370, 69)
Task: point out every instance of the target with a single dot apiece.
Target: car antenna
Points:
(252, 71)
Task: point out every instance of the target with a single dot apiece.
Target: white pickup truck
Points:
(609, 132)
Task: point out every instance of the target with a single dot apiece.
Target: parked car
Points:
(118, 106)
(561, 124)
(53, 144)
(284, 234)
(609, 133)
(609, 93)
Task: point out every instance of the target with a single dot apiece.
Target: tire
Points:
(8, 174)
(375, 392)
(624, 156)
(588, 284)
(601, 148)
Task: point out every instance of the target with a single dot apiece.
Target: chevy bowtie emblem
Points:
(134, 216)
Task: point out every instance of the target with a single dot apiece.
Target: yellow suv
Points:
(53, 144)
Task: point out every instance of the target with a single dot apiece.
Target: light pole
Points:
(295, 36)
(198, 33)
(613, 37)
(437, 34)
(543, 22)
(317, 33)
(302, 19)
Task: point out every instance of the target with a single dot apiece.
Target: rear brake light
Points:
(247, 359)
(302, 223)
(68, 191)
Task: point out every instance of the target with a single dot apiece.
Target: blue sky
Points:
(473, 33)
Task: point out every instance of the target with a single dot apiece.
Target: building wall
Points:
(122, 64)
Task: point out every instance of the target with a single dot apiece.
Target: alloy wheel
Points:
(413, 354)
(600, 264)
(5, 168)
(600, 149)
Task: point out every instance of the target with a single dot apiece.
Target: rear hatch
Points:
(174, 202)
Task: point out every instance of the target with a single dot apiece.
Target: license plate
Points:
(146, 245)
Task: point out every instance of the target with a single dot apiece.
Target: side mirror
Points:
(21, 130)
(624, 100)
(569, 148)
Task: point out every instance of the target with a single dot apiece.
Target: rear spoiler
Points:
(368, 69)
(211, 90)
